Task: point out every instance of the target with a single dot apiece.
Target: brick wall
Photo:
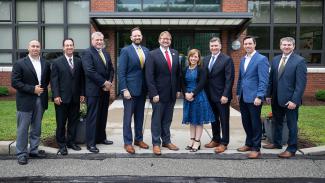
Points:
(315, 81)
(102, 5)
(234, 6)
(5, 80)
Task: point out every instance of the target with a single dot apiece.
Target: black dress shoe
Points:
(22, 160)
(38, 155)
(93, 149)
(63, 151)
(74, 147)
(107, 142)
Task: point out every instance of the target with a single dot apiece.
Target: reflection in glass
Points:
(285, 11)
(181, 5)
(260, 10)
(26, 34)
(207, 6)
(201, 42)
(50, 56)
(5, 11)
(262, 35)
(312, 58)
(53, 37)
(128, 5)
(6, 38)
(78, 11)
(155, 5)
(53, 11)
(311, 38)
(311, 11)
(26, 11)
(280, 32)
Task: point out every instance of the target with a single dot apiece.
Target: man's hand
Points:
(237, 98)
(224, 100)
(126, 94)
(291, 105)
(107, 86)
(178, 94)
(57, 100)
(268, 100)
(82, 98)
(189, 96)
(38, 90)
(257, 101)
(155, 99)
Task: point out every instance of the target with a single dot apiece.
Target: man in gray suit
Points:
(30, 77)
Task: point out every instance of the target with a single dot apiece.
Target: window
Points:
(181, 5)
(5, 58)
(80, 35)
(53, 11)
(312, 58)
(207, 5)
(262, 35)
(311, 38)
(78, 11)
(5, 11)
(53, 36)
(155, 5)
(6, 37)
(285, 11)
(311, 11)
(260, 10)
(26, 34)
(128, 5)
(26, 11)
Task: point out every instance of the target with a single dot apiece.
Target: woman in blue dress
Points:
(196, 110)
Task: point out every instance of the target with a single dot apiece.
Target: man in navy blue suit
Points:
(99, 73)
(219, 91)
(287, 83)
(251, 90)
(162, 75)
(133, 88)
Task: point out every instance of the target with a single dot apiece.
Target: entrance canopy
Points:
(181, 20)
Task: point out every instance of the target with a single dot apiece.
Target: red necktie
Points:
(168, 61)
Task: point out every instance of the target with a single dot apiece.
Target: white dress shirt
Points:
(37, 66)
(170, 55)
(248, 59)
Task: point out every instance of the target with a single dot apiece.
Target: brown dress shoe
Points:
(156, 150)
(286, 154)
(254, 154)
(271, 146)
(244, 148)
(220, 149)
(211, 144)
(141, 144)
(129, 148)
(171, 146)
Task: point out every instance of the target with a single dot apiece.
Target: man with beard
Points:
(133, 88)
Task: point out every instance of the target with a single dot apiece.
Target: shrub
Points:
(320, 95)
(4, 91)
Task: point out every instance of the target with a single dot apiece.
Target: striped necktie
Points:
(282, 65)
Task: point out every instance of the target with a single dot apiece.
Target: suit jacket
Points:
(253, 82)
(66, 84)
(202, 74)
(291, 84)
(131, 75)
(159, 80)
(221, 78)
(24, 79)
(96, 73)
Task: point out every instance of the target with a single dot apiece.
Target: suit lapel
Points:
(163, 60)
(30, 66)
(174, 59)
(217, 61)
(98, 58)
(66, 64)
(134, 54)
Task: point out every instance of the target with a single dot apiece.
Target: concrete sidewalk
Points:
(179, 134)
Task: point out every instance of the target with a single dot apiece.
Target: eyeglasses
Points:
(165, 39)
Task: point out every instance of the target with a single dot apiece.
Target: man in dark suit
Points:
(99, 73)
(133, 88)
(67, 84)
(251, 89)
(288, 78)
(30, 77)
(219, 91)
(162, 76)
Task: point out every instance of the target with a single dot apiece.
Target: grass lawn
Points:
(8, 121)
(311, 123)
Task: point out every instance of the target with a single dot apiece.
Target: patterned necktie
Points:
(70, 63)
(211, 63)
(101, 54)
(140, 56)
(281, 68)
(168, 61)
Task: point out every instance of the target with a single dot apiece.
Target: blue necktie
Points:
(211, 63)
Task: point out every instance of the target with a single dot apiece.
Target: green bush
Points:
(4, 91)
(320, 95)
